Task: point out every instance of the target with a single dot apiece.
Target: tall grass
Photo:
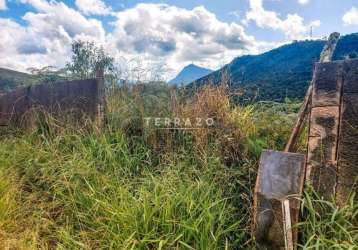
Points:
(130, 186)
(95, 192)
(327, 226)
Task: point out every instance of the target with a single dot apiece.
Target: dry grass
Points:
(132, 186)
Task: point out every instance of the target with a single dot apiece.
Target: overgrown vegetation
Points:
(137, 185)
(133, 186)
(279, 73)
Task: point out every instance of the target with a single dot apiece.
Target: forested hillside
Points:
(279, 73)
(10, 79)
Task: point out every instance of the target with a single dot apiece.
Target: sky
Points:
(163, 36)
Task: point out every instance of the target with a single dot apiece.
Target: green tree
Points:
(86, 58)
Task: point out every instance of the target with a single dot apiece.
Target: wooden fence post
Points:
(101, 106)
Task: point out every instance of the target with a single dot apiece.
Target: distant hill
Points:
(10, 79)
(189, 74)
(282, 72)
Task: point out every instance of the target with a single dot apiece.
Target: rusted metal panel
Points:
(333, 136)
(350, 84)
(280, 177)
(348, 147)
(321, 169)
(12, 106)
(327, 84)
(76, 99)
(324, 122)
(322, 148)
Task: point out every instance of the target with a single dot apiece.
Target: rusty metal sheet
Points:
(324, 122)
(321, 170)
(350, 83)
(76, 99)
(327, 84)
(11, 106)
(332, 145)
(280, 176)
(348, 148)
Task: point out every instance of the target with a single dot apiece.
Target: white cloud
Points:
(54, 18)
(2, 4)
(152, 34)
(47, 37)
(303, 2)
(179, 36)
(351, 17)
(235, 13)
(293, 26)
(93, 7)
(20, 48)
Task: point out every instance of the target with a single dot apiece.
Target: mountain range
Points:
(189, 74)
(279, 73)
(10, 79)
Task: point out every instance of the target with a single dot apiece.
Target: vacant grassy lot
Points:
(132, 186)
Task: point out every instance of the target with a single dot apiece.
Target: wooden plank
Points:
(287, 225)
(350, 84)
(101, 97)
(327, 84)
(291, 144)
(322, 149)
(348, 147)
(324, 122)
